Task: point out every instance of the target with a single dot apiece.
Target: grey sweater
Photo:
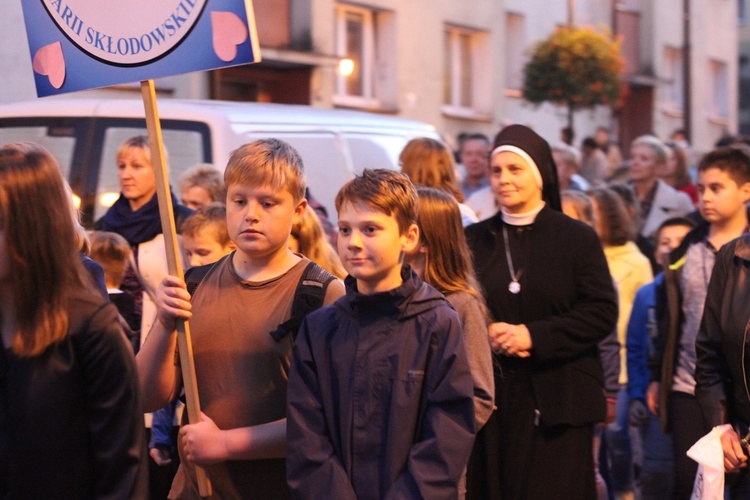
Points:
(477, 343)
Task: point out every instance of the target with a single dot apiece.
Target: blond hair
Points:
(314, 245)
(653, 142)
(207, 177)
(210, 217)
(569, 154)
(140, 142)
(267, 162)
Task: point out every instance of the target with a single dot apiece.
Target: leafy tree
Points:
(575, 67)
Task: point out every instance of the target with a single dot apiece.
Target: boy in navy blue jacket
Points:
(380, 393)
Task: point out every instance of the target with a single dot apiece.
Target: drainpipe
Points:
(571, 12)
(686, 72)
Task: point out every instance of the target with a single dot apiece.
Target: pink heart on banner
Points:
(228, 32)
(49, 61)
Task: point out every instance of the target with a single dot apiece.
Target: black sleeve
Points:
(711, 368)
(113, 406)
(593, 315)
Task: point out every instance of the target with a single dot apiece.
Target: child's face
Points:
(720, 198)
(371, 246)
(669, 238)
(259, 219)
(136, 175)
(204, 248)
(667, 169)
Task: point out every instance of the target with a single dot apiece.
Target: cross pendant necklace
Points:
(514, 286)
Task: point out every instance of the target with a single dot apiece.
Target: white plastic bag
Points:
(709, 480)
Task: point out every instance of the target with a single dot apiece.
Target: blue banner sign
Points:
(84, 44)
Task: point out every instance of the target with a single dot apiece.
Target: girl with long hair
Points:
(309, 239)
(70, 412)
(442, 259)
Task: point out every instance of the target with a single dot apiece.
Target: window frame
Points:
(719, 106)
(480, 92)
(673, 97)
(369, 97)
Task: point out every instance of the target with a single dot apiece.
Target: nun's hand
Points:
(511, 340)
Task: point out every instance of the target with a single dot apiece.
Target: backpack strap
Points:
(195, 275)
(309, 296)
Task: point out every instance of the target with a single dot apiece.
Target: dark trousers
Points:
(515, 459)
(657, 469)
(687, 426)
(737, 486)
(161, 476)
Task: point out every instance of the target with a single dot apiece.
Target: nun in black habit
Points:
(551, 299)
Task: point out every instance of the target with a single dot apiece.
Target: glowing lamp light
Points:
(76, 201)
(108, 199)
(346, 67)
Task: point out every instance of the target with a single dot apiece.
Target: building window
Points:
(515, 45)
(365, 42)
(719, 89)
(673, 99)
(741, 13)
(466, 72)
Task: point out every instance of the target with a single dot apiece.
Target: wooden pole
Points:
(166, 211)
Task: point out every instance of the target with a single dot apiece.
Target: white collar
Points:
(522, 219)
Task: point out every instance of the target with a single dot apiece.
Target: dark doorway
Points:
(636, 115)
(262, 83)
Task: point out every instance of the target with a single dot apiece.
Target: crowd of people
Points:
(518, 320)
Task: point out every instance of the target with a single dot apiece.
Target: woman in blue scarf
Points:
(135, 216)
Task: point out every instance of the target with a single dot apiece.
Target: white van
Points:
(84, 136)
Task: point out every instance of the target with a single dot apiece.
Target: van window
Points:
(184, 149)
(375, 151)
(324, 158)
(86, 148)
(59, 139)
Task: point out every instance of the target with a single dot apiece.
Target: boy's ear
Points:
(410, 239)
(299, 210)
(745, 190)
